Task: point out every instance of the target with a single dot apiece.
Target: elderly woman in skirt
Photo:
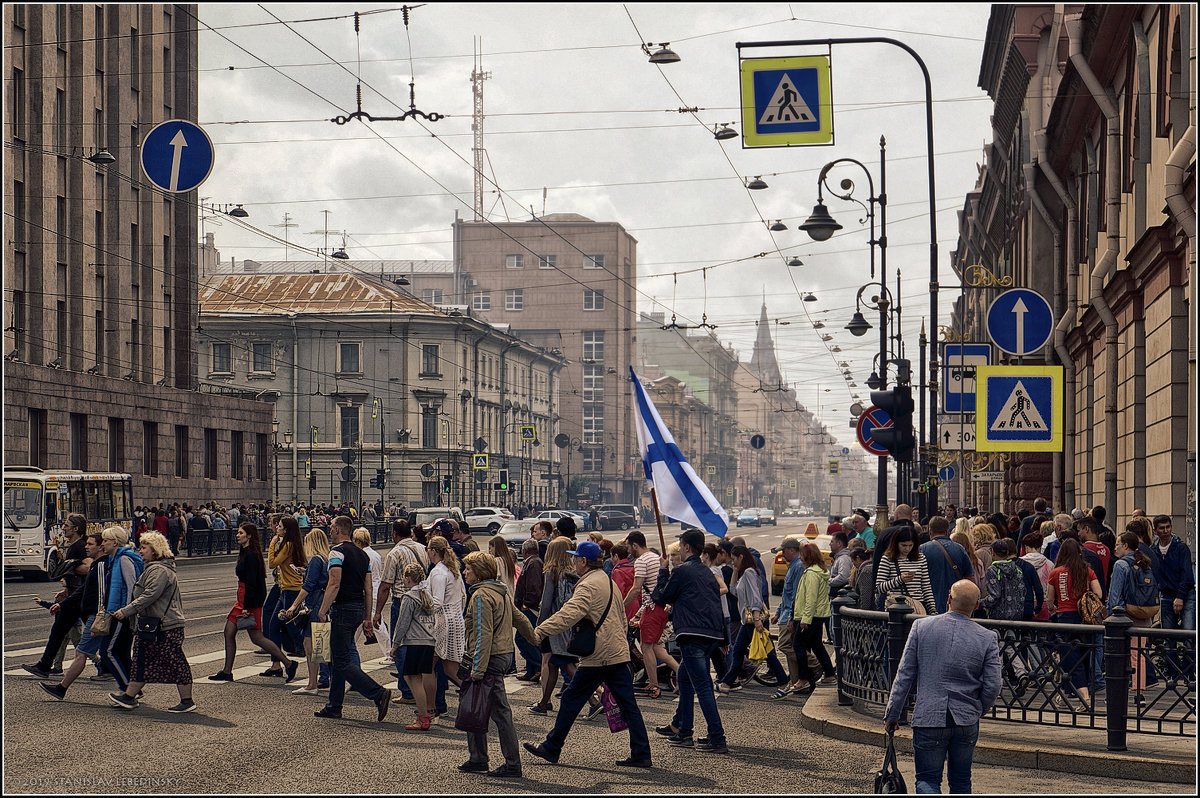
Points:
(157, 654)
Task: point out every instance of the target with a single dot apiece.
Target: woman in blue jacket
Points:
(124, 567)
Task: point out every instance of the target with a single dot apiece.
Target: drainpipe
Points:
(295, 405)
(1036, 200)
(1067, 313)
(1106, 266)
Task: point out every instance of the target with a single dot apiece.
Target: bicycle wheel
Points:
(762, 674)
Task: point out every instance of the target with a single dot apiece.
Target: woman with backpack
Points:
(1069, 580)
(1135, 588)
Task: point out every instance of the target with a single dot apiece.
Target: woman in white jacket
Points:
(446, 588)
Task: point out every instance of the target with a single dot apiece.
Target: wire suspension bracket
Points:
(412, 111)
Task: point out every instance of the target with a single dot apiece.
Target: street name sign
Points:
(177, 155)
(959, 362)
(1020, 409)
(786, 102)
(987, 476)
(1020, 321)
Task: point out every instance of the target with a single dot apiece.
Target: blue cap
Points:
(444, 526)
(588, 550)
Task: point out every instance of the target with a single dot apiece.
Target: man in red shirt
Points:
(1089, 535)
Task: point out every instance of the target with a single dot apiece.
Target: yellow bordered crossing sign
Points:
(480, 462)
(786, 102)
(1019, 408)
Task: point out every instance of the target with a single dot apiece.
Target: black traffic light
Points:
(503, 479)
(898, 439)
(312, 481)
(445, 484)
(380, 479)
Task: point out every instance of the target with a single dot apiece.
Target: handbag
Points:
(322, 648)
(917, 607)
(246, 622)
(149, 629)
(1091, 608)
(583, 633)
(612, 712)
(888, 779)
(475, 705)
(102, 625)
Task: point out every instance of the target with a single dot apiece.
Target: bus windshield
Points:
(22, 506)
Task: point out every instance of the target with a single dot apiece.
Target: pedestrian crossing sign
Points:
(480, 461)
(1022, 409)
(786, 102)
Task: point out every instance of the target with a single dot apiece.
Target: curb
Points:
(1011, 747)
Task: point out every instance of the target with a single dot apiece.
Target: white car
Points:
(488, 518)
(516, 533)
(554, 515)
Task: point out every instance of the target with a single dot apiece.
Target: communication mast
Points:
(478, 76)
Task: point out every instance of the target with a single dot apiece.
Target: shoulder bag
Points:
(102, 625)
(149, 630)
(583, 633)
(888, 779)
(948, 557)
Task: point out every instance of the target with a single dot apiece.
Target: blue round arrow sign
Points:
(1020, 321)
(177, 155)
(946, 474)
(758, 441)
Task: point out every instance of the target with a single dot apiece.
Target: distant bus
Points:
(36, 502)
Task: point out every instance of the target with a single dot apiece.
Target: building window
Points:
(17, 110)
(349, 423)
(348, 362)
(429, 425)
(210, 453)
(430, 365)
(150, 448)
(593, 423)
(18, 322)
(514, 299)
(514, 261)
(592, 299)
(593, 344)
(38, 437)
(593, 461)
(262, 361)
(260, 456)
(222, 358)
(593, 383)
(182, 453)
(236, 454)
(116, 444)
(431, 296)
(593, 261)
(481, 300)
(547, 261)
(79, 441)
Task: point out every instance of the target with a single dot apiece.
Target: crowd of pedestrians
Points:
(592, 613)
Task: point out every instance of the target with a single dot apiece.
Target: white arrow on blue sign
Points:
(177, 155)
(946, 473)
(1020, 321)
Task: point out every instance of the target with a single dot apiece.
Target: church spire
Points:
(763, 363)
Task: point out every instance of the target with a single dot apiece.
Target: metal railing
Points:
(1111, 676)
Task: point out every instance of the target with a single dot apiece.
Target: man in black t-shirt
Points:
(65, 622)
(347, 605)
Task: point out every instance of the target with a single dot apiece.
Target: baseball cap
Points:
(790, 543)
(693, 538)
(1077, 513)
(587, 550)
(443, 526)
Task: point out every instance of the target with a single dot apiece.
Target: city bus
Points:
(36, 502)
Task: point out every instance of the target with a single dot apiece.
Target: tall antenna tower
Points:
(478, 76)
(287, 222)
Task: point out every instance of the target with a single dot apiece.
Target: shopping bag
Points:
(384, 639)
(321, 643)
(760, 645)
(612, 712)
(888, 779)
(475, 705)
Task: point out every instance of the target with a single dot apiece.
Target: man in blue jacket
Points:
(692, 592)
(783, 616)
(947, 561)
(1176, 576)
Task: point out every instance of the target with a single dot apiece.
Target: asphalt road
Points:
(253, 735)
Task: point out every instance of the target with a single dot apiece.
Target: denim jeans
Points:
(738, 656)
(695, 680)
(953, 746)
(398, 660)
(620, 681)
(270, 618)
(345, 619)
(1183, 620)
(531, 653)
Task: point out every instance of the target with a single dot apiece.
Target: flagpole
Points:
(662, 540)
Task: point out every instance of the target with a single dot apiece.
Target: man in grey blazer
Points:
(955, 664)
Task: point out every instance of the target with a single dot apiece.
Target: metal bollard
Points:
(897, 636)
(845, 598)
(1116, 665)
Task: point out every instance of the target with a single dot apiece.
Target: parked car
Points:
(780, 566)
(767, 516)
(427, 515)
(612, 519)
(748, 517)
(553, 515)
(627, 509)
(488, 518)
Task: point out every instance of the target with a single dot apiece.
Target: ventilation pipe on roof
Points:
(1107, 265)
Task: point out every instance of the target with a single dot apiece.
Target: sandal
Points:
(782, 692)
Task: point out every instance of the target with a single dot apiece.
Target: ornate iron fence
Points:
(1112, 676)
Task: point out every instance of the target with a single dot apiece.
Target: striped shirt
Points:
(888, 580)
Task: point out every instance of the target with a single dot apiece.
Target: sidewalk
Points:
(1151, 757)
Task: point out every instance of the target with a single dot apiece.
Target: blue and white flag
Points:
(680, 493)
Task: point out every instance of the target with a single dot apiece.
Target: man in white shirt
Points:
(653, 617)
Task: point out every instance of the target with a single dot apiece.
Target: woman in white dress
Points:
(446, 588)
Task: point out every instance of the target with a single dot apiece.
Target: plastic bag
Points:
(475, 705)
(612, 712)
(761, 645)
(384, 638)
(321, 642)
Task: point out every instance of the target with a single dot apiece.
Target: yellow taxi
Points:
(780, 566)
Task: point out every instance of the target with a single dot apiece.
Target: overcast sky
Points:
(574, 108)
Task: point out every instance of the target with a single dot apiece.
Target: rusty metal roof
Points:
(282, 294)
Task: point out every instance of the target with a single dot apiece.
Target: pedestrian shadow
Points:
(91, 712)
